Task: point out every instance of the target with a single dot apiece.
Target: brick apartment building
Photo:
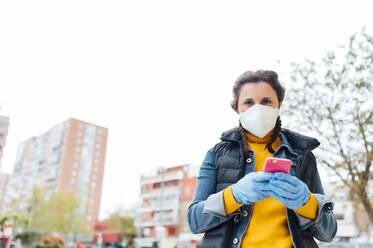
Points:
(4, 182)
(4, 124)
(68, 157)
(4, 177)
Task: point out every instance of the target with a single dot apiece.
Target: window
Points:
(72, 181)
(157, 185)
(77, 149)
(75, 164)
(186, 226)
(99, 131)
(97, 153)
(81, 126)
(3, 124)
(187, 190)
(80, 133)
(145, 188)
(74, 172)
(339, 216)
(78, 141)
(57, 135)
(54, 157)
(98, 146)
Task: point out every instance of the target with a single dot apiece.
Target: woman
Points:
(236, 204)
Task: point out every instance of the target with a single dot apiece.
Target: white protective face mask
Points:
(259, 119)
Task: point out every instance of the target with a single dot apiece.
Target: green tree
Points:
(16, 220)
(49, 212)
(123, 221)
(66, 214)
(333, 98)
(28, 216)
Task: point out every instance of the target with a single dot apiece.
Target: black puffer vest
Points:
(230, 167)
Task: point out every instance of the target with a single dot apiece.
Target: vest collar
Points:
(290, 139)
(299, 141)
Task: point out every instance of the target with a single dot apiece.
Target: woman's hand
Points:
(289, 190)
(253, 187)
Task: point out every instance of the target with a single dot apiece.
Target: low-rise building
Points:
(353, 222)
(165, 195)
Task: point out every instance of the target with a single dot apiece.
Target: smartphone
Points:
(277, 165)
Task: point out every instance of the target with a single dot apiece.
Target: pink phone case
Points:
(277, 165)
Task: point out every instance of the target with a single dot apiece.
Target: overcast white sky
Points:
(158, 74)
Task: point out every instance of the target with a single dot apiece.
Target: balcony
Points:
(167, 205)
(159, 191)
(159, 218)
(165, 222)
(146, 209)
(168, 176)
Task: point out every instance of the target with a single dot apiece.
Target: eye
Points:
(267, 101)
(248, 102)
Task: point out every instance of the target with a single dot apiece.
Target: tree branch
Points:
(345, 182)
(369, 117)
(340, 146)
(368, 162)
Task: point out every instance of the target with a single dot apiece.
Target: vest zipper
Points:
(251, 207)
(287, 219)
(251, 210)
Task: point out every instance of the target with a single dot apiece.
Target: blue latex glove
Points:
(253, 187)
(289, 190)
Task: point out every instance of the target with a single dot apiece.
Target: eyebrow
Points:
(267, 97)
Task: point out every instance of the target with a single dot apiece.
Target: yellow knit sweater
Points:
(268, 224)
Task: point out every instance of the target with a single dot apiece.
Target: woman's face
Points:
(257, 93)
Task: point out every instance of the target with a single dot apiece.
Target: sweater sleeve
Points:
(309, 210)
(230, 203)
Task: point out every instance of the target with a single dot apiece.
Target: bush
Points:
(29, 237)
(51, 242)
